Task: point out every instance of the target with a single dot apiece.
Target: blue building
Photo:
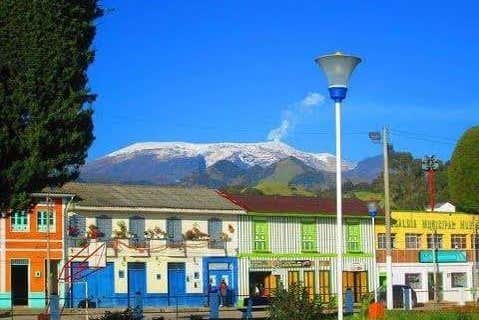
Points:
(167, 245)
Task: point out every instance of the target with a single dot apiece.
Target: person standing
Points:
(223, 292)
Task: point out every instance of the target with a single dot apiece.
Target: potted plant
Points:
(121, 232)
(195, 234)
(73, 231)
(159, 233)
(94, 232)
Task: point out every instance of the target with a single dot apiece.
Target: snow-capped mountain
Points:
(242, 154)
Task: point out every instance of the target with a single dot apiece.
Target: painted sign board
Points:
(442, 256)
(285, 263)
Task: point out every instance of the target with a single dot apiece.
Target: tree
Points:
(408, 183)
(464, 172)
(45, 104)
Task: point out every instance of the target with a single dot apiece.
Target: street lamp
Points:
(338, 68)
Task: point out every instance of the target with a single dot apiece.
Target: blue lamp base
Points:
(337, 93)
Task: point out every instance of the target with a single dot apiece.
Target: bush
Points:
(296, 303)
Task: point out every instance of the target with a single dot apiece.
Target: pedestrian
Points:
(223, 292)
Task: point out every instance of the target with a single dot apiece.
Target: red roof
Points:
(294, 204)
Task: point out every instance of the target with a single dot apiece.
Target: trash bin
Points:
(376, 311)
(43, 316)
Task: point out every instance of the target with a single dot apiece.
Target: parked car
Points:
(398, 301)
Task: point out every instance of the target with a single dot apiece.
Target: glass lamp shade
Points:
(338, 68)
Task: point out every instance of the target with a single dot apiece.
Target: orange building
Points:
(24, 242)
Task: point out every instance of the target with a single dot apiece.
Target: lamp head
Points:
(338, 68)
(372, 209)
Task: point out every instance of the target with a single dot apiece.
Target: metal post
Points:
(375, 264)
(339, 214)
(387, 216)
(436, 266)
(48, 271)
(86, 301)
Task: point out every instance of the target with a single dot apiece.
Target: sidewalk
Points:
(150, 314)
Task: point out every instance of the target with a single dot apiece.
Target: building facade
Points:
(24, 241)
(288, 240)
(167, 245)
(433, 252)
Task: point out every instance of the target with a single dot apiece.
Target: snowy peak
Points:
(242, 154)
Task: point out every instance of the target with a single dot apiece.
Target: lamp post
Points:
(338, 68)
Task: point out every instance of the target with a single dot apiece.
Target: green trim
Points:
(36, 299)
(5, 300)
(307, 215)
(354, 242)
(302, 255)
(260, 235)
(308, 235)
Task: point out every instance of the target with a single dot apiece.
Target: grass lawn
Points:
(459, 314)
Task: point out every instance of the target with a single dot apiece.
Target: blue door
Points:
(218, 272)
(176, 284)
(96, 284)
(136, 282)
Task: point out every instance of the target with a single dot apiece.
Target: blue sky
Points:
(215, 71)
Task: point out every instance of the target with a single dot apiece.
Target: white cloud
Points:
(294, 114)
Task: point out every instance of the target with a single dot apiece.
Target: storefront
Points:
(434, 253)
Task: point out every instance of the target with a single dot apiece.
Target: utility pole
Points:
(378, 137)
(436, 266)
(387, 216)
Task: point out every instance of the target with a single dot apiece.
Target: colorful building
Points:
(24, 240)
(429, 246)
(166, 245)
(289, 240)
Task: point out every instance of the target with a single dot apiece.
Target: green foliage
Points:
(464, 172)
(45, 115)
(295, 303)
(408, 184)
(432, 315)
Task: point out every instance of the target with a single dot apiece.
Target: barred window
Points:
(458, 280)
(458, 241)
(413, 280)
(382, 240)
(413, 241)
(434, 241)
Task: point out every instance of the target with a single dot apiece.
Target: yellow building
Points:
(428, 245)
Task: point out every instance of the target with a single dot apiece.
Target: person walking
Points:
(223, 292)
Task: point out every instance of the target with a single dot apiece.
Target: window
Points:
(413, 241)
(42, 221)
(19, 221)
(136, 226)
(215, 228)
(354, 236)
(458, 280)
(382, 240)
(308, 235)
(76, 225)
(173, 230)
(105, 227)
(434, 241)
(458, 241)
(475, 241)
(413, 280)
(260, 235)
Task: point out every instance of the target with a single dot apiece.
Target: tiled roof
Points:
(294, 204)
(141, 196)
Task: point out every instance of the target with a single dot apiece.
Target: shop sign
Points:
(355, 266)
(285, 263)
(442, 256)
(430, 224)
